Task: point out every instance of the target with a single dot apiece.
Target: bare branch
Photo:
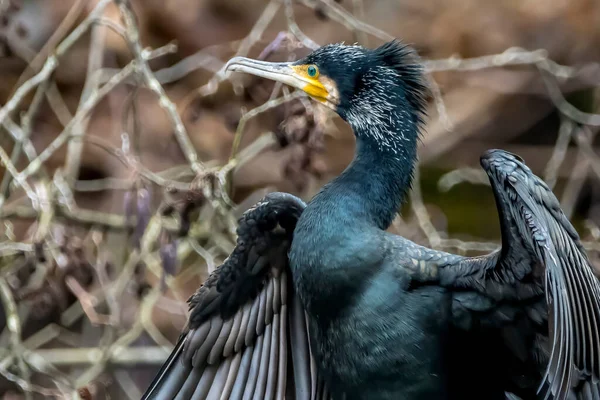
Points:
(295, 29)
(142, 67)
(85, 108)
(75, 147)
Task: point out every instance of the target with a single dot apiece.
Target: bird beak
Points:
(284, 72)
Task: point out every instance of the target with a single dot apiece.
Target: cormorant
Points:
(318, 301)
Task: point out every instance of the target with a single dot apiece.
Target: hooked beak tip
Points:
(232, 64)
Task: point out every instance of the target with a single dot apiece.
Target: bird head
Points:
(360, 84)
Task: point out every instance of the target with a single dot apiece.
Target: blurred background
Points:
(127, 154)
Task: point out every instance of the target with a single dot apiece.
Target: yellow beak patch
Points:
(314, 87)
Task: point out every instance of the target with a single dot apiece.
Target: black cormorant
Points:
(318, 301)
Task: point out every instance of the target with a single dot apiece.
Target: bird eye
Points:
(312, 71)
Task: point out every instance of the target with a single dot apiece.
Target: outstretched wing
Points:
(246, 336)
(542, 253)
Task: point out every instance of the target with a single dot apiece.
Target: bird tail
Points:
(171, 376)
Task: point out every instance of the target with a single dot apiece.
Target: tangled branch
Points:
(83, 264)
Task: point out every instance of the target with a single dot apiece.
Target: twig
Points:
(109, 23)
(475, 176)
(420, 210)
(98, 185)
(74, 216)
(440, 105)
(75, 146)
(128, 385)
(559, 153)
(465, 247)
(246, 44)
(100, 358)
(55, 100)
(141, 56)
(583, 138)
(162, 51)
(27, 87)
(46, 208)
(137, 166)
(87, 301)
(175, 72)
(64, 27)
(205, 254)
(256, 111)
(358, 8)
(57, 104)
(28, 387)
(339, 14)
(10, 247)
(252, 150)
(13, 323)
(563, 105)
(21, 181)
(23, 142)
(123, 356)
(81, 114)
(585, 155)
(51, 62)
(511, 56)
(295, 29)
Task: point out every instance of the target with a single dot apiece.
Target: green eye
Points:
(312, 71)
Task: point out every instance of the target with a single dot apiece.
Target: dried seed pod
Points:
(128, 206)
(168, 257)
(143, 212)
(183, 205)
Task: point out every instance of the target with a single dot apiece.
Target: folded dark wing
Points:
(541, 251)
(246, 336)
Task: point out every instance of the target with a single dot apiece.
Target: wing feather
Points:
(231, 375)
(301, 358)
(256, 321)
(189, 387)
(282, 364)
(233, 335)
(235, 345)
(272, 362)
(545, 237)
(220, 379)
(239, 385)
(254, 369)
(270, 296)
(543, 270)
(261, 386)
(240, 340)
(219, 344)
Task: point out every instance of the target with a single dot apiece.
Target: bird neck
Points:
(376, 182)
